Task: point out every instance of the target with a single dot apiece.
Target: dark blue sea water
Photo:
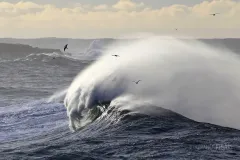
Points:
(34, 126)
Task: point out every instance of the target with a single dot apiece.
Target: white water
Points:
(188, 77)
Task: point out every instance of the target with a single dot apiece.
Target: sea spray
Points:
(186, 76)
(58, 96)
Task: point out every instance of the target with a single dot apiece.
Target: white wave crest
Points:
(186, 76)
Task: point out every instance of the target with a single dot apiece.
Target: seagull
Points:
(65, 47)
(137, 81)
(214, 14)
(115, 55)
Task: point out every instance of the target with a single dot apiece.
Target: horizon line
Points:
(115, 38)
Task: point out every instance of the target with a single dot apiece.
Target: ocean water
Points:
(186, 106)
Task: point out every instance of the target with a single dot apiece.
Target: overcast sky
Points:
(153, 3)
(119, 18)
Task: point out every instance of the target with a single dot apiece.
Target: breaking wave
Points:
(53, 58)
(185, 76)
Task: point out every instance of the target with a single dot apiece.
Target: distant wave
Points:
(13, 51)
(51, 58)
(188, 77)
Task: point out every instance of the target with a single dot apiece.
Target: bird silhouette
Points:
(115, 55)
(137, 81)
(65, 47)
(214, 14)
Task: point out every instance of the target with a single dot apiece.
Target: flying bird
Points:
(137, 81)
(65, 47)
(214, 14)
(176, 29)
(115, 55)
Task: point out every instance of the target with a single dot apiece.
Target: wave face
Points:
(186, 76)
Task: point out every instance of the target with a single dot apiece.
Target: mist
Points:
(186, 76)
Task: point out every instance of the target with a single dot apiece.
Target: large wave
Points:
(186, 76)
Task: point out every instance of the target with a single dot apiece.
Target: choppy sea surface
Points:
(186, 105)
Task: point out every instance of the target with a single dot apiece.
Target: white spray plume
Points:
(58, 96)
(186, 76)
